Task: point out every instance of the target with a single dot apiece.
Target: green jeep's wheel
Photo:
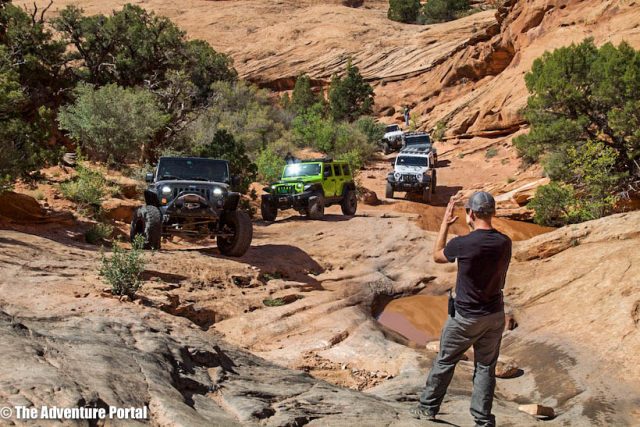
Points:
(268, 210)
(147, 222)
(389, 191)
(237, 225)
(349, 203)
(316, 207)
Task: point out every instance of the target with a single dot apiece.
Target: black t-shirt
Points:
(483, 259)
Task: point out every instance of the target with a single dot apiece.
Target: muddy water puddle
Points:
(418, 318)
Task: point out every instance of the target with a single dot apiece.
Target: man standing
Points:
(407, 115)
(478, 320)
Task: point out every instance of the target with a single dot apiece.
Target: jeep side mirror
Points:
(148, 177)
(235, 181)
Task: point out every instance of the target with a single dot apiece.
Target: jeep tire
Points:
(426, 194)
(316, 207)
(386, 148)
(268, 210)
(238, 223)
(434, 182)
(349, 203)
(389, 191)
(147, 221)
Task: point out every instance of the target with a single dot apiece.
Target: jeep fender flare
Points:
(316, 188)
(391, 178)
(151, 198)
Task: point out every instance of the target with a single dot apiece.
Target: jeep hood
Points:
(184, 183)
(410, 169)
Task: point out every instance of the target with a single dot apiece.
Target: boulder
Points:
(370, 198)
(537, 410)
(506, 368)
(120, 209)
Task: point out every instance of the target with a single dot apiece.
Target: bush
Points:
(112, 123)
(312, 129)
(98, 233)
(406, 11)
(87, 188)
(438, 132)
(270, 164)
(373, 130)
(584, 117)
(350, 96)
(302, 97)
(552, 204)
(435, 11)
(123, 270)
(491, 152)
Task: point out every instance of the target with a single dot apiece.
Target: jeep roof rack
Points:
(417, 132)
(321, 159)
(416, 149)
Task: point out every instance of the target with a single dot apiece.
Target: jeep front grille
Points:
(285, 189)
(204, 192)
(408, 178)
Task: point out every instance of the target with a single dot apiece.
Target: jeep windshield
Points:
(301, 169)
(417, 140)
(193, 169)
(412, 161)
(392, 128)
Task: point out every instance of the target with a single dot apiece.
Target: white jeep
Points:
(392, 139)
(414, 171)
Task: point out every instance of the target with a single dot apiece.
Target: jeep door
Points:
(340, 178)
(328, 180)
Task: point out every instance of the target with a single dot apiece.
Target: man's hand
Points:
(449, 218)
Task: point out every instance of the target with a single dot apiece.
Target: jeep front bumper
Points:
(288, 201)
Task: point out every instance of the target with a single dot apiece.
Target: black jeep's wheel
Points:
(238, 224)
(426, 194)
(316, 207)
(386, 148)
(434, 182)
(268, 210)
(147, 221)
(389, 191)
(349, 203)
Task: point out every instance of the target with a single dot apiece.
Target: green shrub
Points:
(302, 96)
(87, 188)
(123, 270)
(270, 164)
(491, 152)
(373, 130)
(112, 123)
(435, 11)
(406, 11)
(350, 96)
(438, 132)
(98, 233)
(275, 302)
(553, 204)
(312, 129)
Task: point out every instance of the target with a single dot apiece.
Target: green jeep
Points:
(309, 187)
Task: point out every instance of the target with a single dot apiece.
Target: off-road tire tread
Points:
(153, 226)
(269, 213)
(315, 212)
(389, 191)
(344, 205)
(243, 237)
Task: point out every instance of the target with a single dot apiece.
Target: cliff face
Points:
(479, 90)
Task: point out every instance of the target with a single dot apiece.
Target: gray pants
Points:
(458, 335)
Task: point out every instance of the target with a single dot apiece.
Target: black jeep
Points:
(191, 196)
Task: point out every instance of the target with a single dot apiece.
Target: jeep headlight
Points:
(307, 187)
(397, 176)
(217, 191)
(419, 177)
(166, 190)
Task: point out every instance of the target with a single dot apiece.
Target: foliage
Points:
(373, 130)
(270, 164)
(312, 129)
(274, 302)
(350, 96)
(552, 204)
(87, 188)
(112, 123)
(243, 110)
(406, 11)
(583, 111)
(123, 270)
(435, 11)
(438, 132)
(491, 152)
(224, 146)
(98, 233)
(302, 97)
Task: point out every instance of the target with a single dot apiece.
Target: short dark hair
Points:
(484, 215)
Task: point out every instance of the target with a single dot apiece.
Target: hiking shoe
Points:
(422, 414)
